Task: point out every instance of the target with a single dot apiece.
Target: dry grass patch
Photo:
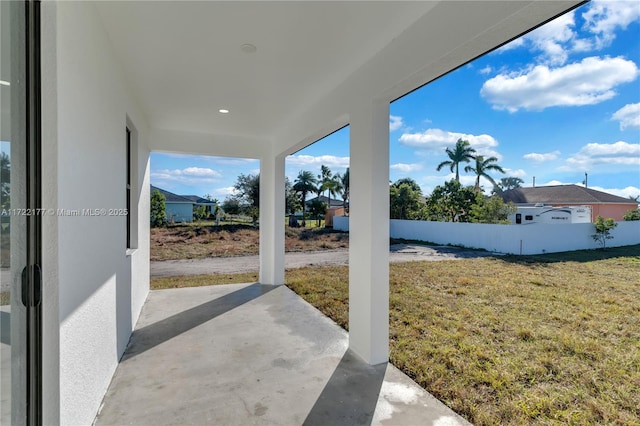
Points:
(534, 340)
(195, 241)
(201, 280)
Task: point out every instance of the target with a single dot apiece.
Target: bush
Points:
(603, 230)
(158, 215)
(633, 214)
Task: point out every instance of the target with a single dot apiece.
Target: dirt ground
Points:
(197, 242)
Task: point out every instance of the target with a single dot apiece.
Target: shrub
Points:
(603, 230)
(633, 214)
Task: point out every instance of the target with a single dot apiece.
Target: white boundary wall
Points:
(510, 239)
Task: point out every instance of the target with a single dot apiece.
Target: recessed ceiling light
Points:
(223, 111)
(248, 48)
(4, 83)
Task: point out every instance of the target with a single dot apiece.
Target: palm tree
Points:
(333, 187)
(462, 153)
(482, 167)
(337, 186)
(344, 182)
(324, 181)
(305, 183)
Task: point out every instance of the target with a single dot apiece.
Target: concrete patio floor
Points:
(245, 354)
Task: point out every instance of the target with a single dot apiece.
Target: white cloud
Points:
(234, 161)
(514, 44)
(395, 122)
(229, 190)
(558, 38)
(512, 173)
(551, 38)
(587, 82)
(406, 168)
(629, 191)
(438, 140)
(199, 172)
(486, 70)
(549, 156)
(596, 154)
(316, 161)
(628, 116)
(189, 175)
(555, 183)
(604, 17)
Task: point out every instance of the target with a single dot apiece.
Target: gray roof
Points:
(170, 197)
(335, 202)
(197, 199)
(562, 194)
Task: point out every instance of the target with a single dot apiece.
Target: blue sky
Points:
(560, 101)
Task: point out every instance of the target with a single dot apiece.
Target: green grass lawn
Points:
(550, 339)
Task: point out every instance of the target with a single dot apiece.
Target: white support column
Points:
(369, 233)
(272, 210)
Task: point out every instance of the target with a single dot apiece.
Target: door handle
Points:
(37, 286)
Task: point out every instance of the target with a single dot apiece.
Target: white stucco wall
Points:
(511, 239)
(99, 301)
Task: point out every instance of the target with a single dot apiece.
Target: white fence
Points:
(510, 239)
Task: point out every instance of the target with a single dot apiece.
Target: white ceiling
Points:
(183, 60)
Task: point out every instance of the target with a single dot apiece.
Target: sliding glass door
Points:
(20, 283)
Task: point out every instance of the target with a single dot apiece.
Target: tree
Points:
(408, 181)
(292, 201)
(324, 178)
(317, 209)
(462, 153)
(231, 206)
(344, 182)
(506, 184)
(452, 202)
(633, 214)
(492, 210)
(248, 190)
(603, 230)
(246, 199)
(200, 212)
(481, 169)
(305, 183)
(210, 198)
(158, 214)
(334, 187)
(404, 202)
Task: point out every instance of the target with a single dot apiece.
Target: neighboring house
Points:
(334, 202)
(177, 207)
(601, 203)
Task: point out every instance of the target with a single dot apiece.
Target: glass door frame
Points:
(31, 291)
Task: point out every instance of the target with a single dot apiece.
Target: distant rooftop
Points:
(171, 197)
(197, 199)
(559, 194)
